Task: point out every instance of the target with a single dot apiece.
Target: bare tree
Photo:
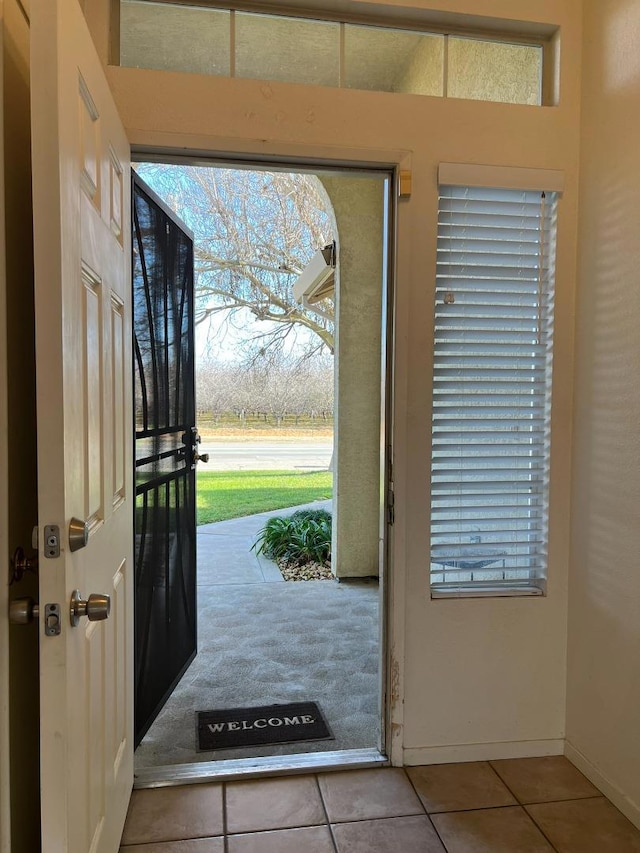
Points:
(215, 388)
(276, 385)
(254, 232)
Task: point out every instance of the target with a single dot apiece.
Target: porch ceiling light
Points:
(317, 280)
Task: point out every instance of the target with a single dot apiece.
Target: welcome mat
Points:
(266, 724)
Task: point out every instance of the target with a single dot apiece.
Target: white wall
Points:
(603, 701)
(471, 678)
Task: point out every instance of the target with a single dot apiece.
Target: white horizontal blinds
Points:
(492, 387)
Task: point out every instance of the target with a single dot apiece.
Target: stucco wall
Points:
(358, 206)
(603, 702)
(423, 75)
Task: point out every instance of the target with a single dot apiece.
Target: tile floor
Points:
(527, 805)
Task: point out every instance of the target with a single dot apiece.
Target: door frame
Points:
(391, 164)
(5, 781)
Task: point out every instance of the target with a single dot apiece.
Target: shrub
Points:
(303, 537)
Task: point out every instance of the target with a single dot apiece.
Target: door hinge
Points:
(391, 511)
(391, 515)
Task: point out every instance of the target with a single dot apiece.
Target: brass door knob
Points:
(201, 457)
(96, 608)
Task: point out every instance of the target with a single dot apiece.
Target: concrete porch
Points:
(262, 640)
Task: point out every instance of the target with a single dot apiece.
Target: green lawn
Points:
(231, 494)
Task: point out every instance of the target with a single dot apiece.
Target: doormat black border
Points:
(264, 736)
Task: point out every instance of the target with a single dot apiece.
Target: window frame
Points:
(523, 179)
(430, 22)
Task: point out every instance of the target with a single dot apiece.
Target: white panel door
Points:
(83, 331)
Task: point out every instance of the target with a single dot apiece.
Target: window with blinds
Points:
(492, 390)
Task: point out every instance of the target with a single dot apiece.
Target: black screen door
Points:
(165, 453)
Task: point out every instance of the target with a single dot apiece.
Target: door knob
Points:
(95, 608)
(200, 457)
(22, 611)
(20, 564)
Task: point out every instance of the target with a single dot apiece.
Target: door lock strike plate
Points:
(51, 541)
(52, 625)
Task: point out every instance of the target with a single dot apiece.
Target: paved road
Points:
(264, 456)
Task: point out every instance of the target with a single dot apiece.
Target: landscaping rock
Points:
(305, 572)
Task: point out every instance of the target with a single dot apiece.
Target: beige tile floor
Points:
(531, 805)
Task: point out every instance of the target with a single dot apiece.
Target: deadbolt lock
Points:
(78, 534)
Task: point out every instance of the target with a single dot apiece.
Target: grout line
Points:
(522, 806)
(272, 830)
(225, 840)
(435, 828)
(326, 813)
(597, 796)
(410, 781)
(479, 809)
(513, 793)
(540, 830)
(566, 800)
(384, 817)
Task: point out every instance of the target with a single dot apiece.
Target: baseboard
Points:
(482, 751)
(620, 801)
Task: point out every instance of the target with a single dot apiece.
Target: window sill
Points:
(487, 591)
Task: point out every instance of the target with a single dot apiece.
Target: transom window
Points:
(225, 42)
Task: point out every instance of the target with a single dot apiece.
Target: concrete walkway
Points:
(225, 552)
(262, 640)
